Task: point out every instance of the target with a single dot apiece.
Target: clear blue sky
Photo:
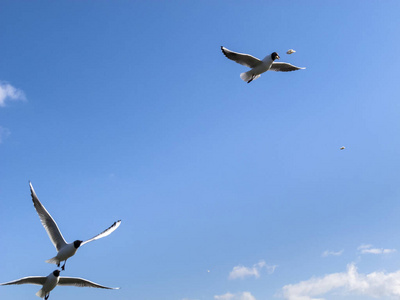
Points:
(226, 190)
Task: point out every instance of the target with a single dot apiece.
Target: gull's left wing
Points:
(284, 67)
(80, 282)
(104, 233)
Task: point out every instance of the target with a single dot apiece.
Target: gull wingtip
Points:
(31, 188)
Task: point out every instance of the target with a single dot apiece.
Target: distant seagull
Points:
(258, 66)
(54, 279)
(342, 148)
(290, 51)
(64, 249)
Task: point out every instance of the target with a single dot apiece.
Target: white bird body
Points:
(258, 70)
(49, 285)
(258, 66)
(63, 254)
(52, 280)
(64, 250)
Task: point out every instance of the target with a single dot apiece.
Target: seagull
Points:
(342, 148)
(290, 51)
(258, 66)
(65, 250)
(50, 282)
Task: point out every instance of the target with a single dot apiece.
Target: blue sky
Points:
(226, 190)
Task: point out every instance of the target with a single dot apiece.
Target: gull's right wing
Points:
(38, 280)
(48, 222)
(241, 58)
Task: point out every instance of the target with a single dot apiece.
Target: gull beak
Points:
(278, 57)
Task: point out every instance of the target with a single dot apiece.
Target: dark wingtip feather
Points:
(223, 50)
(33, 194)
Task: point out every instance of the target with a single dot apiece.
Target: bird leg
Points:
(58, 265)
(47, 296)
(63, 267)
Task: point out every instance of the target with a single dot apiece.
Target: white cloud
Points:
(242, 271)
(8, 92)
(4, 133)
(238, 296)
(375, 284)
(332, 253)
(367, 249)
(227, 296)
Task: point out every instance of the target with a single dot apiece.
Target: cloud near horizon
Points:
(332, 253)
(8, 92)
(375, 284)
(237, 296)
(367, 249)
(242, 271)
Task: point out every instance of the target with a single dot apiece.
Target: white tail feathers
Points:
(245, 76)
(248, 77)
(53, 260)
(41, 293)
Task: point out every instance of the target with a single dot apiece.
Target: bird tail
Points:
(53, 260)
(41, 293)
(248, 77)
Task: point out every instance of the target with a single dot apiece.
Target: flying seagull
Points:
(65, 250)
(258, 66)
(290, 51)
(50, 282)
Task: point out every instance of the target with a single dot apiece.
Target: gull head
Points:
(56, 273)
(77, 243)
(274, 56)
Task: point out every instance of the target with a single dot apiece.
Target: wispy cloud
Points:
(242, 271)
(4, 133)
(368, 249)
(332, 253)
(237, 296)
(375, 284)
(8, 92)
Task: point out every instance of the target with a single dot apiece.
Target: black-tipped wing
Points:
(38, 280)
(48, 222)
(284, 67)
(80, 282)
(241, 58)
(106, 232)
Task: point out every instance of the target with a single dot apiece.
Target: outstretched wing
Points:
(38, 280)
(48, 222)
(80, 282)
(106, 232)
(241, 58)
(283, 67)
